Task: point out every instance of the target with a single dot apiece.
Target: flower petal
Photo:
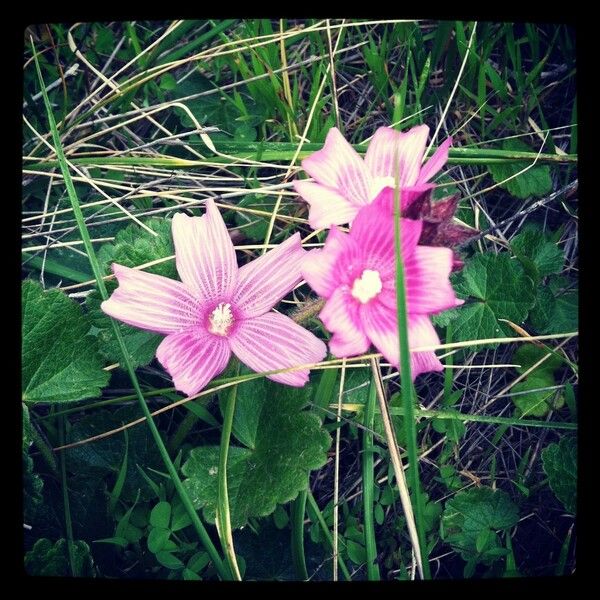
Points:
(341, 316)
(338, 166)
(381, 326)
(204, 252)
(373, 232)
(266, 280)
(273, 341)
(427, 273)
(151, 302)
(193, 358)
(389, 146)
(324, 269)
(436, 162)
(327, 207)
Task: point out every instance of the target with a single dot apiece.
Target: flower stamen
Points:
(367, 286)
(221, 319)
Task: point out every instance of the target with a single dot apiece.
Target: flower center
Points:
(367, 286)
(221, 319)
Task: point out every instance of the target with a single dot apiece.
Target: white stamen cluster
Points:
(367, 286)
(221, 319)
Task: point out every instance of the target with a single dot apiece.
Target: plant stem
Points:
(368, 484)
(223, 519)
(297, 517)
(407, 386)
(85, 237)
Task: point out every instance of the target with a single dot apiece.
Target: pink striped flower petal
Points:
(338, 166)
(193, 358)
(436, 162)
(327, 206)
(273, 341)
(151, 302)
(266, 280)
(325, 269)
(205, 255)
(427, 273)
(341, 316)
(381, 326)
(390, 149)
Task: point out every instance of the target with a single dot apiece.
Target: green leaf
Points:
(160, 516)
(535, 182)
(166, 559)
(157, 539)
(32, 489)
(282, 443)
(471, 518)
(539, 255)
(104, 456)
(528, 354)
(560, 464)
(52, 560)
(356, 552)
(555, 312)
(60, 361)
(537, 403)
(495, 287)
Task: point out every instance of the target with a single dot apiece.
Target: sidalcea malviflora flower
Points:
(217, 308)
(344, 182)
(355, 272)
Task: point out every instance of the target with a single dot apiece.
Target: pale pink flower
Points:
(356, 273)
(344, 182)
(217, 308)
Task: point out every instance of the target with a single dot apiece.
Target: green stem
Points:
(65, 491)
(407, 386)
(368, 485)
(85, 237)
(316, 511)
(223, 513)
(297, 517)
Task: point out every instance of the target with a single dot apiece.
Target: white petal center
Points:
(367, 286)
(221, 319)
(379, 183)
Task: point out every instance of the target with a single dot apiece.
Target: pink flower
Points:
(344, 182)
(356, 273)
(217, 308)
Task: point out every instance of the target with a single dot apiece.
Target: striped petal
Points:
(326, 269)
(338, 166)
(266, 280)
(204, 253)
(193, 358)
(341, 316)
(390, 149)
(427, 273)
(436, 162)
(327, 206)
(273, 341)
(151, 302)
(381, 326)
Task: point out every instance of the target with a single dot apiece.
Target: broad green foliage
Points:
(32, 489)
(60, 361)
(530, 397)
(132, 246)
(471, 520)
(282, 444)
(534, 182)
(556, 308)
(560, 464)
(105, 456)
(539, 254)
(52, 560)
(494, 287)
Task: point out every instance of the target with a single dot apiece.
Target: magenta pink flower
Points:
(344, 182)
(217, 308)
(356, 272)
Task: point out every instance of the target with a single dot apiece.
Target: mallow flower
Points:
(355, 272)
(217, 308)
(344, 182)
